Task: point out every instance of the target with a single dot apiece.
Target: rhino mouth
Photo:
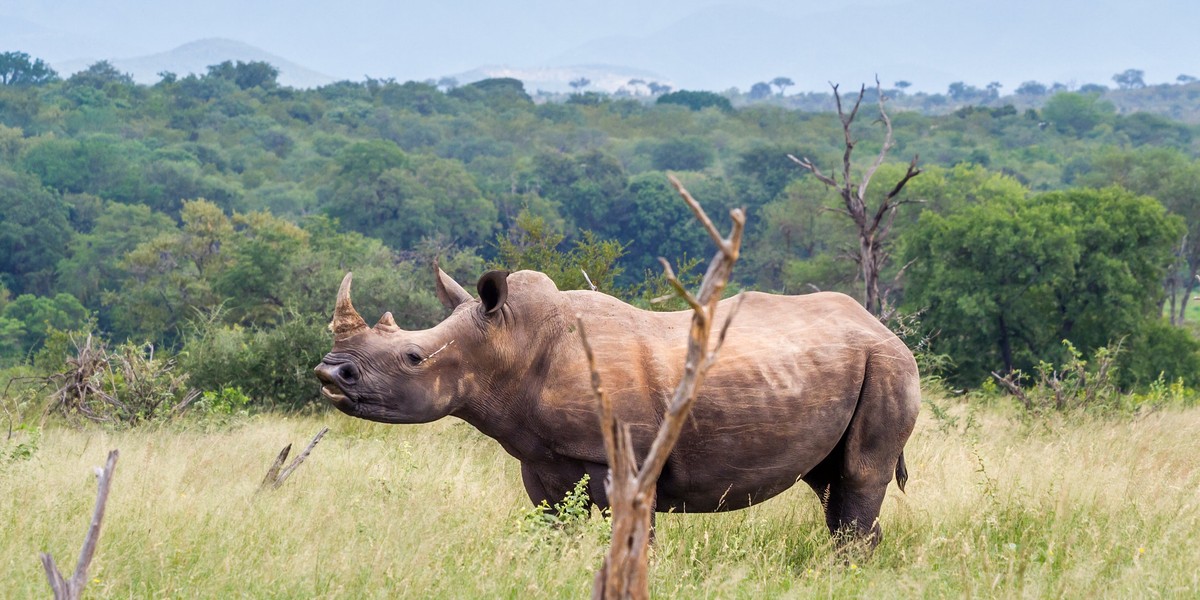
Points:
(334, 393)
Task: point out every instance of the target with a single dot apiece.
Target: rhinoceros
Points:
(808, 387)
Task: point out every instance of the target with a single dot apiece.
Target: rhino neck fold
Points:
(504, 404)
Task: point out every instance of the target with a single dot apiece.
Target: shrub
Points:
(127, 386)
(272, 367)
(571, 516)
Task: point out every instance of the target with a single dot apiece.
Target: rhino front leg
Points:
(534, 486)
(552, 481)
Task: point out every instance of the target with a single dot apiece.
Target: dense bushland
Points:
(212, 215)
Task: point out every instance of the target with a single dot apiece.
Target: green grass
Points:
(995, 507)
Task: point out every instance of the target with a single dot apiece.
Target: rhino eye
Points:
(413, 358)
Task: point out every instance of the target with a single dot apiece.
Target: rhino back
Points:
(776, 402)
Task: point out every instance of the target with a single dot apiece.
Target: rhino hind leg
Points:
(851, 507)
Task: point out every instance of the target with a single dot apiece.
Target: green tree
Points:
(1076, 113)
(1130, 79)
(586, 187)
(93, 261)
(655, 222)
(760, 91)
(696, 100)
(246, 75)
(169, 278)
(16, 68)
(531, 244)
(33, 233)
(26, 321)
(688, 153)
(1003, 282)
(1173, 178)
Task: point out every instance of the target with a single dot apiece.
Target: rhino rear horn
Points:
(448, 291)
(346, 321)
(387, 324)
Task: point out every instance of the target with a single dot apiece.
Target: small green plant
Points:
(27, 438)
(1076, 383)
(571, 516)
(1161, 393)
(227, 401)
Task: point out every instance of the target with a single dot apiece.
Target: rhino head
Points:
(386, 374)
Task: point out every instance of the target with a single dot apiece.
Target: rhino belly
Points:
(739, 463)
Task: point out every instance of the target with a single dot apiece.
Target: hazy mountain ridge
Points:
(601, 78)
(195, 57)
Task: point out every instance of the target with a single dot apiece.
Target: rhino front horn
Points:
(346, 321)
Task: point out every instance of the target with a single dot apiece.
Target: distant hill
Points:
(604, 78)
(195, 57)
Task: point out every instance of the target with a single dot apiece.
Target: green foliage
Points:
(498, 92)
(28, 320)
(246, 75)
(401, 199)
(33, 233)
(587, 187)
(272, 366)
(531, 244)
(665, 224)
(16, 68)
(682, 154)
(697, 100)
(1003, 281)
(572, 516)
(1074, 384)
(656, 292)
(1158, 351)
(227, 401)
(1077, 114)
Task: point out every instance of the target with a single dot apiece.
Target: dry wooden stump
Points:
(277, 474)
(72, 589)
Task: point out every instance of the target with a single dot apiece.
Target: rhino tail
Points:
(901, 472)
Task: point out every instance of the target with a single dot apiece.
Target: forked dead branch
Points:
(72, 589)
(631, 491)
(872, 225)
(277, 474)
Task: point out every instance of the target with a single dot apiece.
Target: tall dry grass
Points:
(996, 507)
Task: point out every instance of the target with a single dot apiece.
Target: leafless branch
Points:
(631, 492)
(73, 589)
(588, 279)
(872, 229)
(1011, 386)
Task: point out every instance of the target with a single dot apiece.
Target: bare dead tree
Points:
(72, 589)
(631, 491)
(275, 476)
(872, 224)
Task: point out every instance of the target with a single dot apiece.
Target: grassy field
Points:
(995, 508)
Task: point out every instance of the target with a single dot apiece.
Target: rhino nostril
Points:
(348, 373)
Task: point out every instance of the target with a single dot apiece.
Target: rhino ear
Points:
(448, 291)
(493, 290)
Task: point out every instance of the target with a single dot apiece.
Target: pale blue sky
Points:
(706, 45)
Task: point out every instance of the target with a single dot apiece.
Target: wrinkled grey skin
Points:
(808, 388)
